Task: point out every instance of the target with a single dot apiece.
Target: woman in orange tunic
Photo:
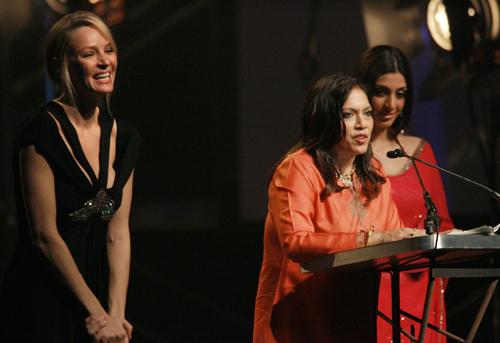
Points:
(326, 195)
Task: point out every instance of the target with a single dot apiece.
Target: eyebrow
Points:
(385, 87)
(353, 109)
(95, 46)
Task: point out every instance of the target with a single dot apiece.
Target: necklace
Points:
(346, 178)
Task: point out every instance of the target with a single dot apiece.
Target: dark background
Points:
(215, 88)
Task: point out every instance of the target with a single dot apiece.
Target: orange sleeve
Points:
(293, 195)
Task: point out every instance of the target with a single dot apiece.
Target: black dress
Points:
(35, 304)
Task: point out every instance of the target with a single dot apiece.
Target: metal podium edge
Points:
(406, 247)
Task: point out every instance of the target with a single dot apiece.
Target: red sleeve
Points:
(385, 203)
(388, 207)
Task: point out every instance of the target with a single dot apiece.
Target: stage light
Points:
(464, 24)
(437, 21)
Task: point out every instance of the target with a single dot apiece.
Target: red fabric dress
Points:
(408, 196)
(322, 307)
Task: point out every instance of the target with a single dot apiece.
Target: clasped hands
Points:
(108, 328)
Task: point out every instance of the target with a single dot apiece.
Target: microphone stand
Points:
(494, 194)
(431, 213)
(432, 220)
(400, 153)
(431, 223)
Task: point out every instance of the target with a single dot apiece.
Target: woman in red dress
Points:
(387, 73)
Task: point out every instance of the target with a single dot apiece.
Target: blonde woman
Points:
(73, 166)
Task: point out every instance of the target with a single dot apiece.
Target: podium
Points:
(451, 256)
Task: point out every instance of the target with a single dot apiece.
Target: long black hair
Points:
(323, 128)
(383, 59)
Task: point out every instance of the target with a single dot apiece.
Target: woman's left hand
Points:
(379, 237)
(406, 232)
(115, 331)
(94, 323)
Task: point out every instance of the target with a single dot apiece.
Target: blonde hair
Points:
(56, 48)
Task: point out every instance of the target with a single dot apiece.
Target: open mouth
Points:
(361, 139)
(103, 76)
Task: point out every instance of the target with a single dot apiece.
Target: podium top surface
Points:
(411, 253)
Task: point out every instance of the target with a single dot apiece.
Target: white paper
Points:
(481, 230)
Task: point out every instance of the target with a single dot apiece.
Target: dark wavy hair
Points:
(383, 59)
(323, 128)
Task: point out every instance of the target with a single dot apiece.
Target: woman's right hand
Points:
(115, 331)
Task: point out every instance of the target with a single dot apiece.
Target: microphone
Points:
(395, 153)
(400, 153)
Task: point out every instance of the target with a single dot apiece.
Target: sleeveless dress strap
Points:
(106, 124)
